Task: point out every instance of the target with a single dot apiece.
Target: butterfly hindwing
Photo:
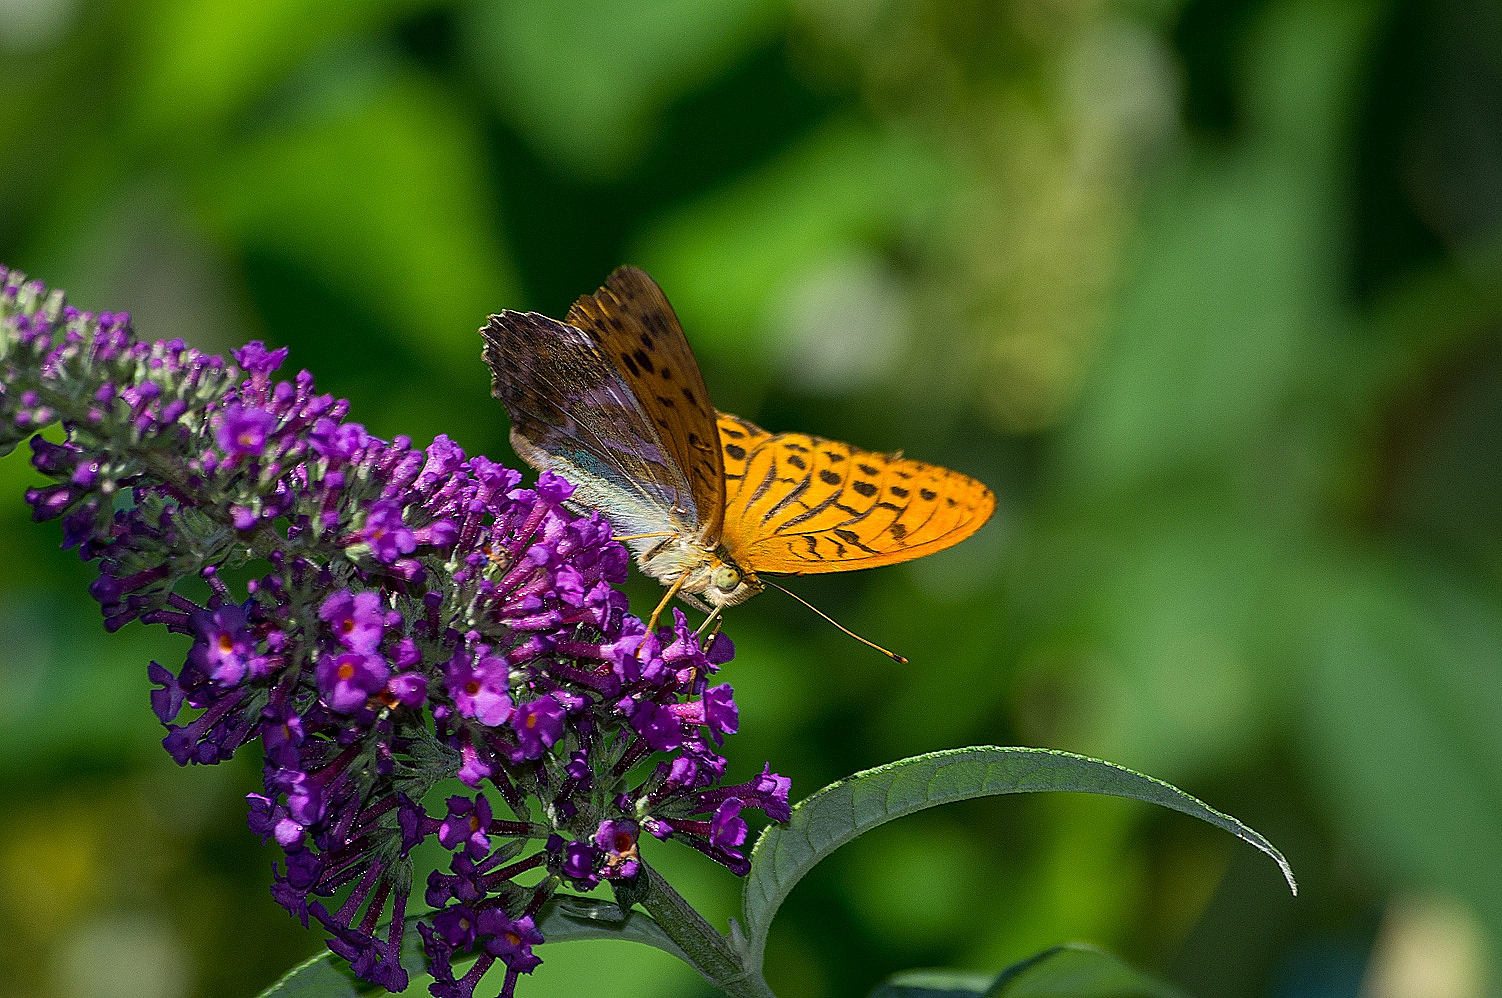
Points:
(799, 504)
(632, 324)
(572, 412)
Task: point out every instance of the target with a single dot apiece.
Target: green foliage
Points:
(840, 812)
(1072, 970)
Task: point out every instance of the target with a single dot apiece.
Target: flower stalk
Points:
(711, 953)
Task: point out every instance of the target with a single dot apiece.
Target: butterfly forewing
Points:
(572, 412)
(632, 324)
(799, 504)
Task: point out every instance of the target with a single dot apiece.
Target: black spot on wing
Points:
(736, 451)
(899, 492)
(852, 538)
(864, 488)
(867, 469)
(929, 495)
(829, 477)
(797, 462)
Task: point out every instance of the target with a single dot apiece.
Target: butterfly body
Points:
(613, 401)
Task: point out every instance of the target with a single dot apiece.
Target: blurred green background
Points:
(1209, 292)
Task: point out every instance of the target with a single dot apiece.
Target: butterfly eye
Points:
(726, 578)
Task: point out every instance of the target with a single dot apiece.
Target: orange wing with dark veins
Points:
(632, 324)
(798, 505)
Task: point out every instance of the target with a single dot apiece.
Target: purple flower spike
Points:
(412, 614)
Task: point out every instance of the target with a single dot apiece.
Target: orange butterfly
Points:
(613, 401)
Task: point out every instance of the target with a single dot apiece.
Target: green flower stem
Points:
(709, 951)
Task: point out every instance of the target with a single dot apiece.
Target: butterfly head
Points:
(729, 584)
(709, 574)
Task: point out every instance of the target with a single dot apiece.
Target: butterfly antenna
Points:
(869, 644)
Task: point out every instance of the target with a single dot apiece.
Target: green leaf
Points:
(933, 984)
(566, 918)
(838, 813)
(1077, 970)
(1072, 970)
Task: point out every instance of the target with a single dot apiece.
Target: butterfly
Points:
(612, 400)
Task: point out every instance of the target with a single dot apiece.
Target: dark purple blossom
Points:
(510, 939)
(348, 679)
(727, 830)
(389, 538)
(538, 725)
(579, 862)
(617, 840)
(356, 619)
(416, 616)
(225, 649)
(243, 430)
(466, 826)
(480, 689)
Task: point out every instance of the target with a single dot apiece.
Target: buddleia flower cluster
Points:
(411, 616)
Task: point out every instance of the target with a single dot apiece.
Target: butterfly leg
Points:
(673, 591)
(714, 616)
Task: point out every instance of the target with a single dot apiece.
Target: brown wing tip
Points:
(628, 272)
(498, 331)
